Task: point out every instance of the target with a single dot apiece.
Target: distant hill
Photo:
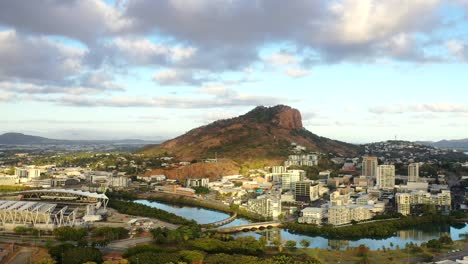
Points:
(22, 139)
(453, 144)
(265, 133)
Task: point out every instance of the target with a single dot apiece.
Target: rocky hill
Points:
(265, 133)
(213, 171)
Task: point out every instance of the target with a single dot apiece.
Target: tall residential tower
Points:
(413, 172)
(369, 166)
(386, 176)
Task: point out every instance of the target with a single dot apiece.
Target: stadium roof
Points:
(70, 191)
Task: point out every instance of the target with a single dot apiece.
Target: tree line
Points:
(382, 229)
(137, 209)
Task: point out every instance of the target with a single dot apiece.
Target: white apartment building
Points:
(344, 214)
(413, 172)
(202, 182)
(120, 181)
(34, 173)
(406, 200)
(302, 160)
(360, 212)
(363, 200)
(278, 169)
(266, 205)
(336, 199)
(386, 176)
(312, 215)
(339, 215)
(21, 172)
(289, 178)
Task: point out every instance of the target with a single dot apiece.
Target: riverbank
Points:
(179, 200)
(378, 230)
(136, 209)
(396, 255)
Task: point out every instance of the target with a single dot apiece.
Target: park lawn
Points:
(350, 256)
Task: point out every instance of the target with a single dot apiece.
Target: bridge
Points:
(222, 222)
(248, 227)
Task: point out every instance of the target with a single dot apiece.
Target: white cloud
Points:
(37, 58)
(143, 51)
(31, 88)
(7, 97)
(417, 108)
(297, 72)
(176, 77)
(282, 58)
(457, 48)
(363, 21)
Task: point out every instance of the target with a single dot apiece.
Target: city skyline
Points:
(359, 71)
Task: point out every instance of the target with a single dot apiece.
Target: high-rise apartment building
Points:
(369, 166)
(386, 176)
(413, 172)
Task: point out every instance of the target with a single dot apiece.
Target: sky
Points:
(357, 70)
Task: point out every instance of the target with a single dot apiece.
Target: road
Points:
(22, 257)
(452, 256)
(121, 245)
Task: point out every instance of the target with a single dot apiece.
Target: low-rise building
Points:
(198, 182)
(311, 215)
(407, 203)
(302, 160)
(266, 205)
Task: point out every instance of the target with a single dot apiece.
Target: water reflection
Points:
(338, 244)
(400, 239)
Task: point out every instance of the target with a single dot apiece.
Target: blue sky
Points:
(358, 70)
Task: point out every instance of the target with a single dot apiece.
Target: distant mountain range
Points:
(22, 139)
(264, 133)
(453, 144)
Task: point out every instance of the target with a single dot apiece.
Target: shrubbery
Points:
(132, 208)
(369, 230)
(70, 254)
(110, 233)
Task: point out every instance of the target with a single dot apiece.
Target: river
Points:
(417, 236)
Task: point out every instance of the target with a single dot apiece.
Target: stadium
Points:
(51, 208)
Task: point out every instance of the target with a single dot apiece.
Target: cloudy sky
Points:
(358, 70)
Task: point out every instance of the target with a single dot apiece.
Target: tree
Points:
(155, 258)
(362, 251)
(79, 255)
(57, 252)
(427, 256)
(192, 256)
(201, 190)
(291, 244)
(305, 243)
(278, 244)
(66, 233)
(434, 244)
(46, 260)
(446, 239)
